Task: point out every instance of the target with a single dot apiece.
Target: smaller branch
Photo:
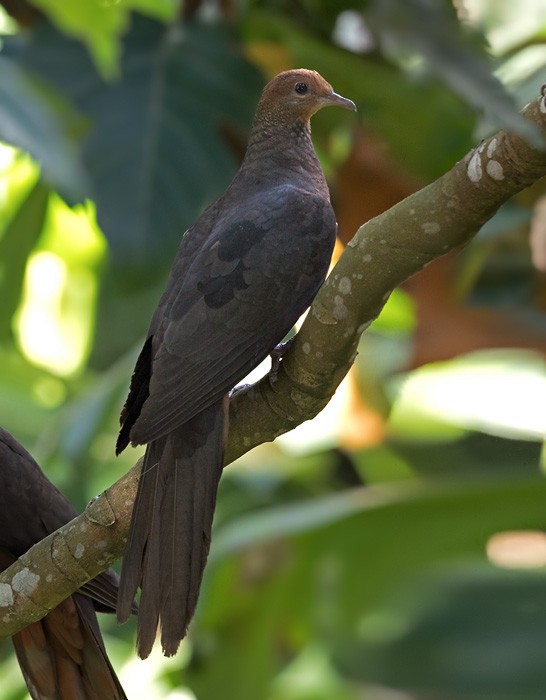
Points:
(384, 252)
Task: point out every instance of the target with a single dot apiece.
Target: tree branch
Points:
(385, 251)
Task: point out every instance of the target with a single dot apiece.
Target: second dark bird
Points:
(62, 656)
(243, 275)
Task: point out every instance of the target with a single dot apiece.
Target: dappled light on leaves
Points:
(54, 321)
(43, 338)
(498, 391)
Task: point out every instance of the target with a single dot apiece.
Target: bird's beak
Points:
(335, 99)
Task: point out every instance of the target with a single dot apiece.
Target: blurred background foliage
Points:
(392, 548)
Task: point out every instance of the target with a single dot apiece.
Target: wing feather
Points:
(235, 300)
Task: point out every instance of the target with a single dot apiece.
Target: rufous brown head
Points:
(299, 94)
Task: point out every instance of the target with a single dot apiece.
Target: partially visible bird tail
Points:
(170, 528)
(62, 656)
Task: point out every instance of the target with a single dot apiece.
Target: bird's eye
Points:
(301, 88)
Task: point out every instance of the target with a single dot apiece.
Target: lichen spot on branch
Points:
(494, 170)
(430, 227)
(25, 582)
(492, 147)
(345, 285)
(6, 595)
(474, 167)
(340, 311)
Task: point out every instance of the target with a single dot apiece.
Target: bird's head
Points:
(299, 94)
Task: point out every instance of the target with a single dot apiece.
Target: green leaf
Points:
(154, 154)
(18, 240)
(33, 118)
(20, 411)
(164, 10)
(333, 510)
(469, 633)
(431, 30)
(100, 25)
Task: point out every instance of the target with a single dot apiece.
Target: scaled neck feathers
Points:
(281, 149)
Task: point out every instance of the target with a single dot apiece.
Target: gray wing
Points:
(31, 508)
(234, 299)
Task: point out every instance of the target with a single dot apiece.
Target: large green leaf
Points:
(467, 633)
(100, 24)
(154, 153)
(33, 118)
(20, 411)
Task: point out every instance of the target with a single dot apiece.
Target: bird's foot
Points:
(276, 356)
(238, 389)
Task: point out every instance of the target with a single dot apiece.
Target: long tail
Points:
(170, 528)
(62, 657)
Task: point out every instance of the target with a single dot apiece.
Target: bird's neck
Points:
(282, 151)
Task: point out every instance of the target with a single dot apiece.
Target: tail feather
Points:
(141, 520)
(176, 552)
(170, 529)
(62, 657)
(36, 661)
(152, 576)
(205, 485)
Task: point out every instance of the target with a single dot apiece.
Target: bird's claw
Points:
(277, 354)
(238, 389)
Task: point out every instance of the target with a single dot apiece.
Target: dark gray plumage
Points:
(243, 275)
